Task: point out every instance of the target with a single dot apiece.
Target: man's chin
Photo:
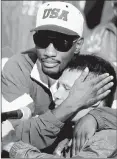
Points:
(51, 72)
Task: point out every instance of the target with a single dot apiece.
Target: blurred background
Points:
(19, 17)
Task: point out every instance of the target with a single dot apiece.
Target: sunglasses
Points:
(61, 42)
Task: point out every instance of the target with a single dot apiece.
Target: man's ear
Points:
(79, 45)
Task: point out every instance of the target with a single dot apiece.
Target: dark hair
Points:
(96, 65)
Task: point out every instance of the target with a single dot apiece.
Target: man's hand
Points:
(83, 130)
(61, 146)
(85, 93)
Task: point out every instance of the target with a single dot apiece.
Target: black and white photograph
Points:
(59, 79)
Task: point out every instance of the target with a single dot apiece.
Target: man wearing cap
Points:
(29, 78)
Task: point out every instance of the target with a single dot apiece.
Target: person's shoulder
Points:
(25, 56)
(22, 62)
(99, 29)
(109, 26)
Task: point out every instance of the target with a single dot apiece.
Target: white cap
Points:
(61, 17)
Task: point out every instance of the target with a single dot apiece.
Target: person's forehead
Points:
(69, 76)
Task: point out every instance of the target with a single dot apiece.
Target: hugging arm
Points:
(101, 118)
(106, 118)
(46, 129)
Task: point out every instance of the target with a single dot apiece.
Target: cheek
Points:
(40, 53)
(69, 55)
(62, 94)
(66, 57)
(66, 94)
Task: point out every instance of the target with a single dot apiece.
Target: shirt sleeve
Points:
(15, 81)
(39, 131)
(24, 150)
(106, 117)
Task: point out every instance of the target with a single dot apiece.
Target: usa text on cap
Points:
(61, 17)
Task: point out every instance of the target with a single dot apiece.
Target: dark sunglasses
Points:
(61, 42)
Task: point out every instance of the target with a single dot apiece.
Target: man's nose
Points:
(50, 51)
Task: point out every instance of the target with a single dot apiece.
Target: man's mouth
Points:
(50, 63)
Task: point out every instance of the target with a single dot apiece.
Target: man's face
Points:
(64, 86)
(65, 83)
(54, 57)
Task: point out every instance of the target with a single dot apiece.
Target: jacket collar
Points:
(38, 75)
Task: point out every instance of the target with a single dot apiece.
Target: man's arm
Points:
(23, 150)
(16, 148)
(40, 131)
(106, 117)
(97, 119)
(15, 80)
(83, 94)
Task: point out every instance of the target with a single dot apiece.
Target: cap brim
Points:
(55, 28)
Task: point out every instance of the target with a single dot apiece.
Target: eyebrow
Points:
(64, 85)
